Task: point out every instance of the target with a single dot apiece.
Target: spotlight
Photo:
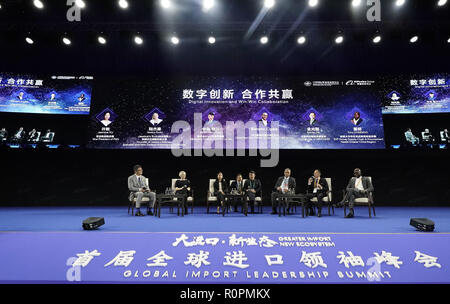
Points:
(80, 3)
(301, 40)
(313, 3)
(399, 2)
(166, 3)
(376, 39)
(414, 39)
(442, 2)
(212, 40)
(207, 5)
(356, 3)
(123, 4)
(66, 41)
(138, 40)
(38, 4)
(29, 40)
(269, 3)
(339, 39)
(101, 40)
(448, 41)
(174, 40)
(264, 40)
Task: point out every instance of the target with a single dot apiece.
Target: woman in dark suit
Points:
(220, 188)
(183, 186)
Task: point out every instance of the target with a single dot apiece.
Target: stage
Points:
(40, 244)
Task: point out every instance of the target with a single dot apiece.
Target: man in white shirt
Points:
(137, 184)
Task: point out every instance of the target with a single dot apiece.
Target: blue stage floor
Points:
(388, 220)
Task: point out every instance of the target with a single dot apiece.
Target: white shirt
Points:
(220, 186)
(355, 121)
(285, 184)
(106, 122)
(264, 122)
(315, 189)
(155, 121)
(141, 180)
(358, 183)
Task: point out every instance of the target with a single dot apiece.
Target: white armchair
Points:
(210, 198)
(328, 198)
(132, 199)
(364, 201)
(189, 199)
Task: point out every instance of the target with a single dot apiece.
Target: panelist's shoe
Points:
(273, 212)
(350, 215)
(319, 214)
(149, 212)
(139, 214)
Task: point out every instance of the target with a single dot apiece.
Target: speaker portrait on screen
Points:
(106, 117)
(312, 119)
(264, 119)
(357, 119)
(155, 119)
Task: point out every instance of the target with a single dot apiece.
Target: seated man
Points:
(410, 137)
(137, 184)
(283, 185)
(18, 136)
(252, 187)
(427, 137)
(317, 187)
(237, 185)
(358, 186)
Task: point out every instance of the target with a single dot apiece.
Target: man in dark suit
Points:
(252, 187)
(237, 185)
(317, 187)
(358, 186)
(282, 186)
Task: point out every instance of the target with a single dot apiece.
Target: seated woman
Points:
(220, 188)
(183, 186)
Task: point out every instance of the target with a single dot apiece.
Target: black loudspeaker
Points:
(423, 224)
(92, 223)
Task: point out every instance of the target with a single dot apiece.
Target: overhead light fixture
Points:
(38, 4)
(123, 4)
(66, 41)
(264, 40)
(269, 3)
(313, 3)
(212, 40)
(174, 40)
(399, 2)
(414, 39)
(356, 3)
(207, 5)
(448, 41)
(376, 39)
(442, 2)
(138, 40)
(101, 40)
(29, 40)
(339, 39)
(166, 4)
(80, 3)
(301, 40)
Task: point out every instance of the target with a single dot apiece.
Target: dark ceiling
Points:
(236, 51)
